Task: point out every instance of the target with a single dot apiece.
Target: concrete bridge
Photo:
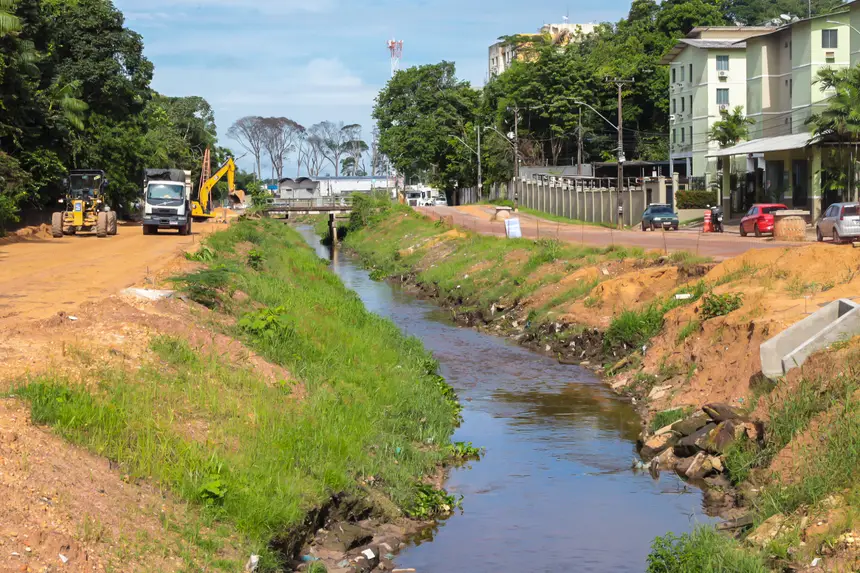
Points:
(331, 206)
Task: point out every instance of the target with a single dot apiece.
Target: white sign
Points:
(512, 229)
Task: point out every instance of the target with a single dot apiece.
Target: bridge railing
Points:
(327, 201)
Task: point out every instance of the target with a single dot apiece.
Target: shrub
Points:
(633, 328)
(695, 199)
(666, 417)
(702, 550)
(715, 305)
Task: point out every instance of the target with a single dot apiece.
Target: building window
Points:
(683, 131)
(674, 105)
(673, 74)
(829, 39)
(691, 135)
(722, 96)
(682, 105)
(682, 73)
(790, 89)
(691, 104)
(722, 63)
(691, 72)
(674, 136)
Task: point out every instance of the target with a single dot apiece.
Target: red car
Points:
(759, 219)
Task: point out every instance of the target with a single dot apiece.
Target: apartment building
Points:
(707, 75)
(782, 66)
(502, 54)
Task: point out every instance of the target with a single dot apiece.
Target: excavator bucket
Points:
(237, 197)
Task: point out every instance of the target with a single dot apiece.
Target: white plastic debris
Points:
(252, 564)
(369, 554)
(148, 294)
(63, 558)
(816, 561)
(683, 296)
(73, 318)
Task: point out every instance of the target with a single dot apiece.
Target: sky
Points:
(315, 60)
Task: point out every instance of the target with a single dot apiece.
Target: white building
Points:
(502, 54)
(707, 75)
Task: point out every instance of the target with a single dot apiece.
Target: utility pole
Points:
(480, 197)
(579, 151)
(620, 185)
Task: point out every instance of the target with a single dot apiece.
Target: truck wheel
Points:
(112, 223)
(148, 230)
(57, 225)
(102, 224)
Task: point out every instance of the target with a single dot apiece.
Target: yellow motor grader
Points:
(86, 207)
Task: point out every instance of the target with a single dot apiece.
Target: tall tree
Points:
(250, 133)
(731, 128)
(335, 137)
(280, 137)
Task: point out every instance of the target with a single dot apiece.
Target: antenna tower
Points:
(396, 49)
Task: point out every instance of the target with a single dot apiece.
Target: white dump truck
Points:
(166, 200)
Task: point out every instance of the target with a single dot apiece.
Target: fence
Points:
(591, 199)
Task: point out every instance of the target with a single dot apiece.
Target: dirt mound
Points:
(27, 233)
(66, 510)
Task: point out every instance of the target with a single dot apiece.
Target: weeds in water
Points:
(465, 451)
(431, 502)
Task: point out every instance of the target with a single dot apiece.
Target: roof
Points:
(670, 56)
(765, 145)
(788, 25)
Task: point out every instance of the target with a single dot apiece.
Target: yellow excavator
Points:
(201, 209)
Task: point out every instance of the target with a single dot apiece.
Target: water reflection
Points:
(554, 491)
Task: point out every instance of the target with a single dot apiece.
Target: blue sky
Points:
(323, 59)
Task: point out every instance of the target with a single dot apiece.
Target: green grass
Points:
(687, 330)
(703, 551)
(372, 405)
(666, 417)
(633, 328)
(564, 220)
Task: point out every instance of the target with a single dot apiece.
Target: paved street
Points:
(718, 246)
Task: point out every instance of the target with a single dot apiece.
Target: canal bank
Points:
(555, 490)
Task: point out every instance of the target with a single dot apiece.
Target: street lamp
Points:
(478, 153)
(508, 138)
(842, 24)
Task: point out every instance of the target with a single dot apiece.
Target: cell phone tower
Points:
(396, 49)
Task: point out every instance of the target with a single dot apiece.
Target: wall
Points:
(583, 202)
(854, 44)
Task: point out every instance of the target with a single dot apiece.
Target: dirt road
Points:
(718, 246)
(41, 276)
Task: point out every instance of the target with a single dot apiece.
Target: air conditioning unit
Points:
(723, 74)
(672, 118)
(724, 107)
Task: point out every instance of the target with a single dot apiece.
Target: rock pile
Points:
(694, 447)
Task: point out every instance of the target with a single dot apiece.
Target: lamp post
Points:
(478, 153)
(516, 159)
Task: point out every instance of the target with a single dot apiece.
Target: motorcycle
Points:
(717, 218)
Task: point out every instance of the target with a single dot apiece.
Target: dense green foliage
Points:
(361, 403)
(421, 108)
(75, 93)
(695, 198)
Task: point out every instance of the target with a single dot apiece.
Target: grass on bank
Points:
(251, 453)
(702, 551)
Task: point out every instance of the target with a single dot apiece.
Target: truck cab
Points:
(167, 201)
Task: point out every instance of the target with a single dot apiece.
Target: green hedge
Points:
(690, 199)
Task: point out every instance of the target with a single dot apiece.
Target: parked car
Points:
(440, 201)
(759, 219)
(659, 215)
(840, 221)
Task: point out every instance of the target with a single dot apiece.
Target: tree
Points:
(335, 139)
(840, 123)
(280, 136)
(732, 128)
(416, 113)
(8, 22)
(312, 150)
(250, 133)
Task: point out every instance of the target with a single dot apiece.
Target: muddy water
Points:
(555, 491)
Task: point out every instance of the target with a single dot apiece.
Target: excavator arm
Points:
(202, 208)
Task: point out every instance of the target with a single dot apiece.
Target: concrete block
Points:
(791, 347)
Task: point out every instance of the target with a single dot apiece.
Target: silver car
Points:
(840, 221)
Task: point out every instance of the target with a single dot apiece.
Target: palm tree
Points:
(732, 128)
(64, 98)
(839, 123)
(8, 21)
